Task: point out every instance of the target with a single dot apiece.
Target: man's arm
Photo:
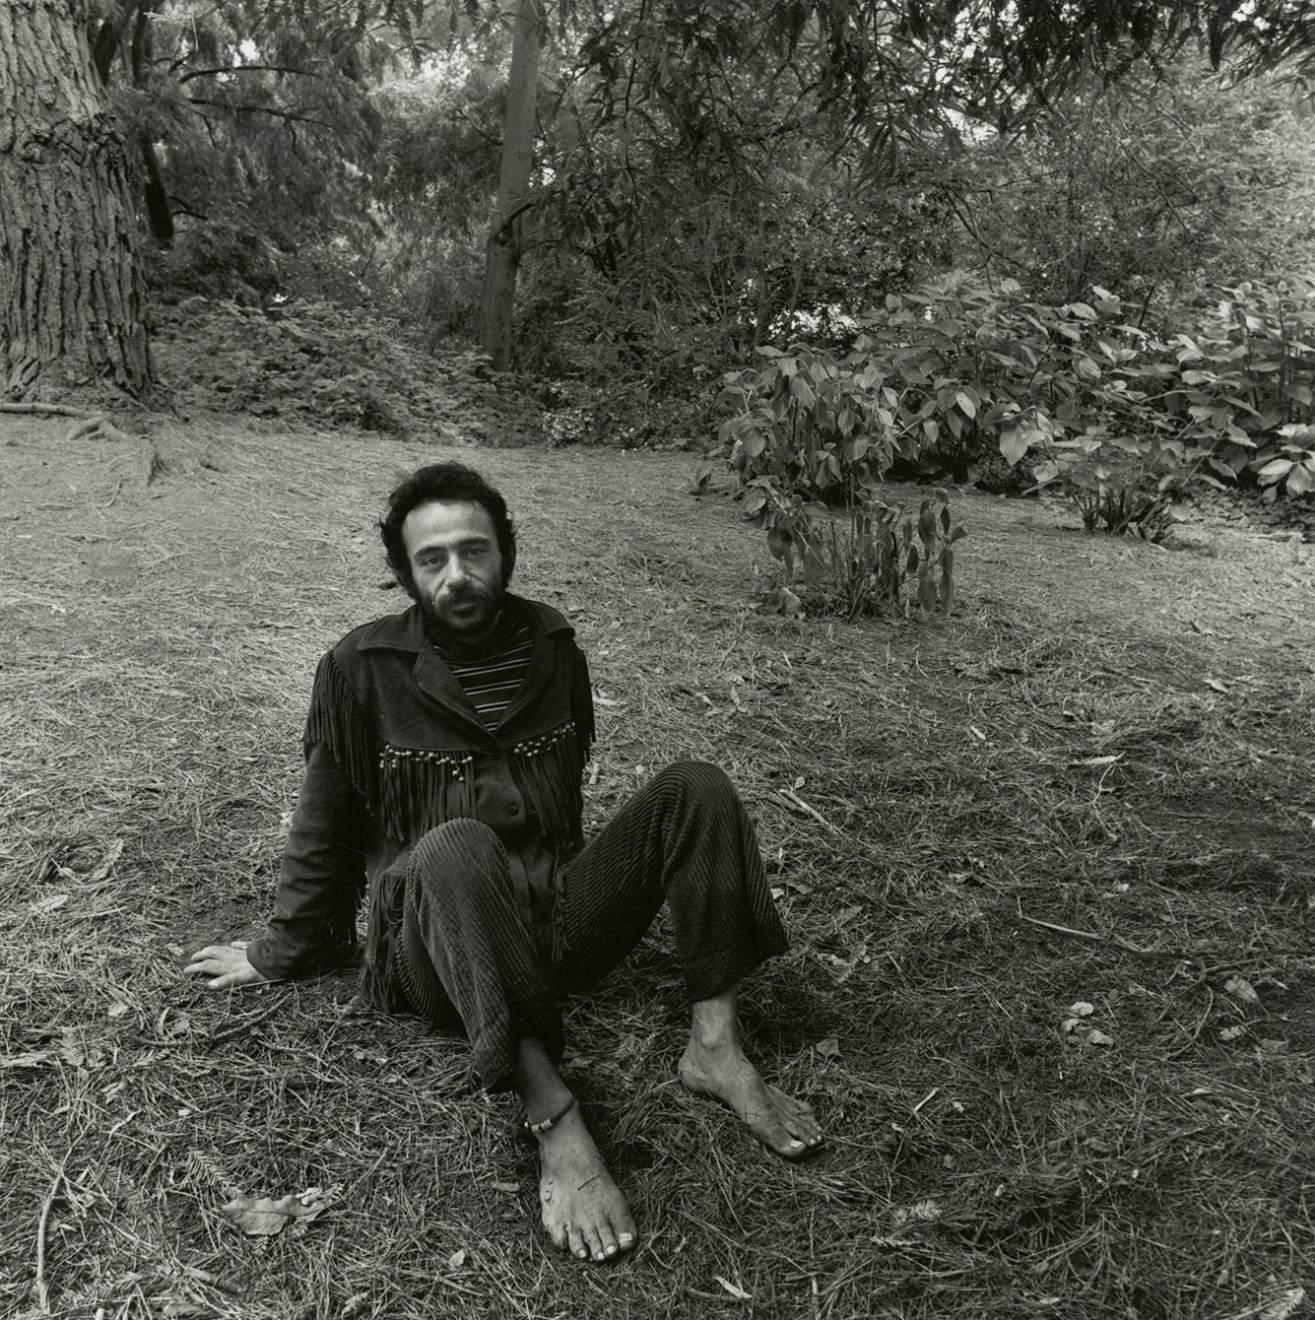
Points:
(320, 885)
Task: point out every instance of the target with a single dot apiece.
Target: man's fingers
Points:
(226, 965)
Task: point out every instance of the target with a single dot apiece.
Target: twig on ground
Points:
(1172, 955)
(49, 410)
(98, 427)
(43, 1289)
(88, 423)
(247, 1023)
(806, 809)
(931, 1095)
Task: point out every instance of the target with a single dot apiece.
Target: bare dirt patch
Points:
(1092, 786)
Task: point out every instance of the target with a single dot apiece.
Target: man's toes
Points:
(576, 1243)
(806, 1130)
(593, 1240)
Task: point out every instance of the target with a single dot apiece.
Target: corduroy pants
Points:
(465, 960)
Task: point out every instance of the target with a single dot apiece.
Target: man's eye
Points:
(477, 552)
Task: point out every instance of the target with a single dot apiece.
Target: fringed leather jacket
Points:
(393, 749)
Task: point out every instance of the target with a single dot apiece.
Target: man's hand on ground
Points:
(227, 964)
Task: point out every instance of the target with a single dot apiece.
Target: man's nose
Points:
(456, 570)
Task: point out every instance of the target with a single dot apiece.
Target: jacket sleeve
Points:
(322, 878)
(582, 703)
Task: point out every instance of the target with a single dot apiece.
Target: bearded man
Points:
(445, 748)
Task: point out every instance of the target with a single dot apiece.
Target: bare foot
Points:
(781, 1123)
(583, 1209)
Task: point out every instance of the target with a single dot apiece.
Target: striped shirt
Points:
(491, 681)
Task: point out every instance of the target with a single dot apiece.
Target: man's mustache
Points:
(459, 595)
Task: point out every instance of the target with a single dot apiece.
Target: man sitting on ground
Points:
(444, 754)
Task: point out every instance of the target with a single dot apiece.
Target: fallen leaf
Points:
(117, 1010)
(1240, 988)
(1082, 1009)
(355, 1305)
(183, 1308)
(839, 970)
(457, 1259)
(106, 863)
(1231, 1033)
(48, 904)
(828, 1048)
(75, 1051)
(1097, 1037)
(734, 1289)
(1096, 761)
(1216, 684)
(977, 733)
(32, 1059)
(1283, 1304)
(920, 1212)
(510, 1188)
(180, 1025)
(264, 1217)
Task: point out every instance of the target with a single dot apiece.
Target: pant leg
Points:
(684, 838)
(463, 956)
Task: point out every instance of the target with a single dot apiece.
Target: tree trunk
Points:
(503, 247)
(72, 292)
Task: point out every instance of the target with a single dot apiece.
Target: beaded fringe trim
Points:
(421, 789)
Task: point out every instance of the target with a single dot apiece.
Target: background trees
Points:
(72, 295)
(696, 178)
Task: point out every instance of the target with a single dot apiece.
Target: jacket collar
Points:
(406, 632)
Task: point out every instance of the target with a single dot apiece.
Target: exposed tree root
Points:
(90, 424)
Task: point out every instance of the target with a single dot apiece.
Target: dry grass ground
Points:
(1109, 738)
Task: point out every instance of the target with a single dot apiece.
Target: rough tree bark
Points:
(72, 292)
(503, 247)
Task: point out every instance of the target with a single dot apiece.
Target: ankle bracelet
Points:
(544, 1125)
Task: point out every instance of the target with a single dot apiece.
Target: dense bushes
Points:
(1120, 419)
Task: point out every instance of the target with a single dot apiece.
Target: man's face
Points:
(456, 564)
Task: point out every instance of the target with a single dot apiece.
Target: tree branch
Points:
(260, 110)
(248, 68)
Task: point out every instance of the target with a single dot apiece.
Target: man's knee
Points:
(459, 853)
(700, 781)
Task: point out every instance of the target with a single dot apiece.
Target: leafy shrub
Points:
(810, 424)
(1244, 385)
(875, 558)
(1120, 420)
(1229, 403)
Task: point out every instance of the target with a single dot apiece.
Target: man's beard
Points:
(465, 615)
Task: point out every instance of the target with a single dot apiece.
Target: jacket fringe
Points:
(547, 771)
(335, 719)
(420, 789)
(383, 927)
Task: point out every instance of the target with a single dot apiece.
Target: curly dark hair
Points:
(446, 482)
